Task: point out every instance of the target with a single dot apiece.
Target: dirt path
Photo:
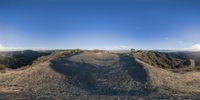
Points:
(97, 75)
(104, 74)
(192, 63)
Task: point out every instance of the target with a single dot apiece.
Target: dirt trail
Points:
(97, 76)
(104, 74)
(192, 63)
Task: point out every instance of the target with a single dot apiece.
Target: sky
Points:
(101, 24)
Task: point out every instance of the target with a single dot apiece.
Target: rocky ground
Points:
(97, 75)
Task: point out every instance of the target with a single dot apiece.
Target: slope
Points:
(96, 75)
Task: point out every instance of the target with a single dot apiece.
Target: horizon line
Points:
(37, 49)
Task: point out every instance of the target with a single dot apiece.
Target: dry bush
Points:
(2, 67)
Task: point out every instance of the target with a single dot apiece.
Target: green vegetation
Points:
(97, 50)
(132, 50)
(58, 54)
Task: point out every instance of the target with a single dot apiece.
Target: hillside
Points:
(175, 61)
(17, 59)
(195, 56)
(96, 75)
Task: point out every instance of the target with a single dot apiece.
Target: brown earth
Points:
(97, 75)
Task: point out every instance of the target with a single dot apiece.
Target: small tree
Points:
(78, 50)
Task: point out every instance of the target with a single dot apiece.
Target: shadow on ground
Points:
(86, 75)
(135, 70)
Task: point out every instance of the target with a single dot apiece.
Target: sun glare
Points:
(195, 47)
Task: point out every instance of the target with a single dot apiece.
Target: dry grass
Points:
(52, 78)
(2, 67)
(187, 82)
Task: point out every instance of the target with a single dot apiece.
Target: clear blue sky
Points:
(88, 24)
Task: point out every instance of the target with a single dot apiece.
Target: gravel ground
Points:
(104, 76)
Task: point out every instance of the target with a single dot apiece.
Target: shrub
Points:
(57, 54)
(97, 50)
(197, 67)
(75, 51)
(66, 52)
(132, 50)
(2, 67)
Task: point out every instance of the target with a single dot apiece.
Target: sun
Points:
(196, 47)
